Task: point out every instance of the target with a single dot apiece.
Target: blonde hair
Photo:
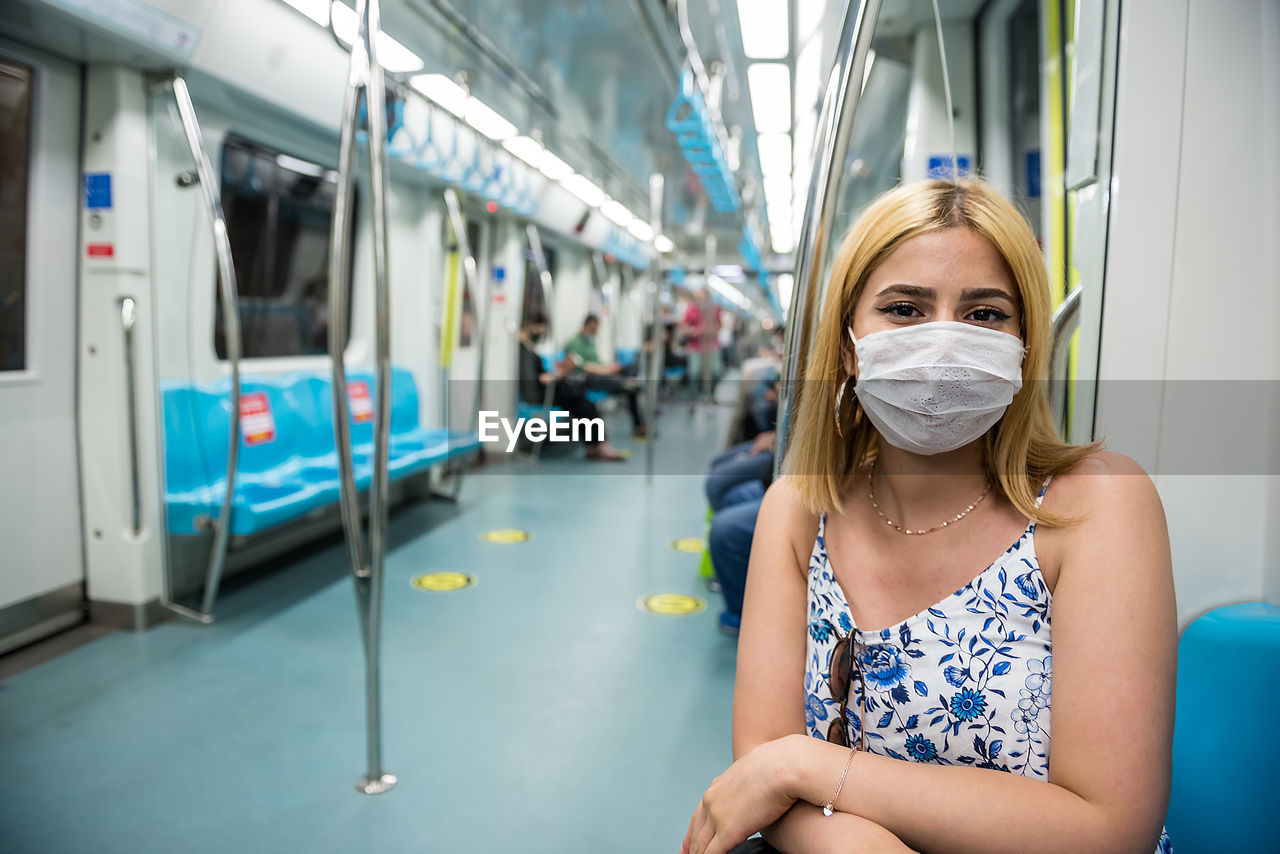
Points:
(1023, 449)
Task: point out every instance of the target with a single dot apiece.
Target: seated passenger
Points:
(568, 396)
(732, 531)
(601, 376)
(891, 694)
(748, 465)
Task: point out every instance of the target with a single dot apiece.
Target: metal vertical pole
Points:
(709, 337)
(835, 128)
(365, 75)
(654, 364)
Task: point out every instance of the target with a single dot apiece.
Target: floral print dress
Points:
(964, 682)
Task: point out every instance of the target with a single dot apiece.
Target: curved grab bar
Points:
(365, 74)
(128, 317)
(471, 274)
(1066, 320)
(839, 106)
(229, 295)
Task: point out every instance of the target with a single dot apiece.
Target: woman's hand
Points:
(753, 793)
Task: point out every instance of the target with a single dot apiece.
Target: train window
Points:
(279, 213)
(535, 301)
(15, 158)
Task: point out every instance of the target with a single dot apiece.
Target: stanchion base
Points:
(375, 785)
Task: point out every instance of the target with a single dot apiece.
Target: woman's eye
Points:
(900, 309)
(988, 315)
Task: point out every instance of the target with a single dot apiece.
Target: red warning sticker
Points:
(257, 424)
(101, 250)
(360, 401)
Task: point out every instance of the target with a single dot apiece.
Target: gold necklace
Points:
(871, 492)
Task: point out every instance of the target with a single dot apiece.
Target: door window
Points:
(15, 157)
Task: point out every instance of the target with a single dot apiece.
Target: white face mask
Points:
(934, 387)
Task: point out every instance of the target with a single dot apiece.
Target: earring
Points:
(840, 400)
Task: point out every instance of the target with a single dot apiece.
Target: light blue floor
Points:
(539, 711)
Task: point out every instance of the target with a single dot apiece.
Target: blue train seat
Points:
(1224, 761)
(288, 461)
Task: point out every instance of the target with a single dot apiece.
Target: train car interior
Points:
(396, 392)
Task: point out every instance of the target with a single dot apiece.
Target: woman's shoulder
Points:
(784, 513)
(1102, 485)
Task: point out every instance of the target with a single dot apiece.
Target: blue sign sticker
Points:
(97, 190)
(940, 166)
(1033, 174)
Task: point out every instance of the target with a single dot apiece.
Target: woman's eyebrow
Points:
(909, 291)
(974, 294)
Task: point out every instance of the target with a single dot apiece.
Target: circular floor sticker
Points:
(693, 545)
(506, 535)
(443, 582)
(671, 604)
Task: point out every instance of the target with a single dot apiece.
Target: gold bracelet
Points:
(830, 806)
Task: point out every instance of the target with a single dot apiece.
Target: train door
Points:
(42, 580)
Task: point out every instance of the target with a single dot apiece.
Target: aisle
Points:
(539, 710)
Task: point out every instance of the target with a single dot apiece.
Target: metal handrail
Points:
(471, 274)
(839, 106)
(653, 366)
(1066, 319)
(128, 316)
(364, 74)
(209, 189)
(699, 69)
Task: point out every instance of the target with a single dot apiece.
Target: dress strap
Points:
(1043, 489)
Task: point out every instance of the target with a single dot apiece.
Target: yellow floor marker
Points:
(671, 604)
(692, 545)
(506, 536)
(442, 582)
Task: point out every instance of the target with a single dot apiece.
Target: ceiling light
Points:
(728, 291)
(781, 236)
(764, 28)
(641, 230)
(775, 153)
(485, 119)
(809, 75)
(616, 212)
(808, 16)
(664, 244)
(777, 190)
(442, 91)
(392, 55)
(553, 167)
(587, 192)
(527, 149)
(313, 9)
(786, 281)
(770, 84)
(395, 57)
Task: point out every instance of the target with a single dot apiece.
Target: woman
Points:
(869, 620)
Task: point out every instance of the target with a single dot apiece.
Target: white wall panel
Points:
(1191, 297)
